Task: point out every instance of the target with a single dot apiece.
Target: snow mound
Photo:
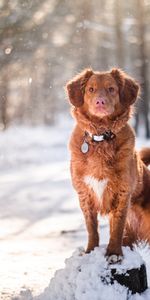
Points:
(82, 277)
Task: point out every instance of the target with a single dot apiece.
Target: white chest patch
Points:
(98, 186)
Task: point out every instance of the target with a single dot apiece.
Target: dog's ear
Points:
(128, 87)
(76, 87)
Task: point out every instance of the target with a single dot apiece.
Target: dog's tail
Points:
(145, 155)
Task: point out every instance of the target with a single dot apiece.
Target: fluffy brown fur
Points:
(103, 102)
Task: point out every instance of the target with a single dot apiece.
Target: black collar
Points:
(107, 135)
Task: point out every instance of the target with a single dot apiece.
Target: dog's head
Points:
(102, 94)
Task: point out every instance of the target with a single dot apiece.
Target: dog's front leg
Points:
(117, 224)
(90, 214)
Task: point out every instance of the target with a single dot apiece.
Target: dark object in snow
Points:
(134, 279)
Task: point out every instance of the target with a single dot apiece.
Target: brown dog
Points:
(107, 172)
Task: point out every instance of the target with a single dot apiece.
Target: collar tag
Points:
(84, 147)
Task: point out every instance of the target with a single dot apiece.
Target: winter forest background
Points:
(44, 43)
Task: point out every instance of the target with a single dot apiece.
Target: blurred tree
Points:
(118, 14)
(3, 102)
(144, 67)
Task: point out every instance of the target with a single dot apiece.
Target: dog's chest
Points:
(98, 170)
(96, 185)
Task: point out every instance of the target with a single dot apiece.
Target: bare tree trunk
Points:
(101, 53)
(3, 101)
(85, 34)
(144, 65)
(118, 28)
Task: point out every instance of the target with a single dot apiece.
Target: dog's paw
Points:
(91, 247)
(114, 259)
(88, 250)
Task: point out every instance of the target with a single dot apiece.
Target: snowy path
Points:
(40, 220)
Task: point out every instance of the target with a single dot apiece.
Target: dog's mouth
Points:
(103, 111)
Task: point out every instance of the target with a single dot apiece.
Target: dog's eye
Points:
(111, 89)
(91, 90)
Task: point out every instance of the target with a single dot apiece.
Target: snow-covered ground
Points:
(40, 220)
(87, 277)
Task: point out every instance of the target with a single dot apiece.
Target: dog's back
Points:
(138, 218)
(145, 155)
